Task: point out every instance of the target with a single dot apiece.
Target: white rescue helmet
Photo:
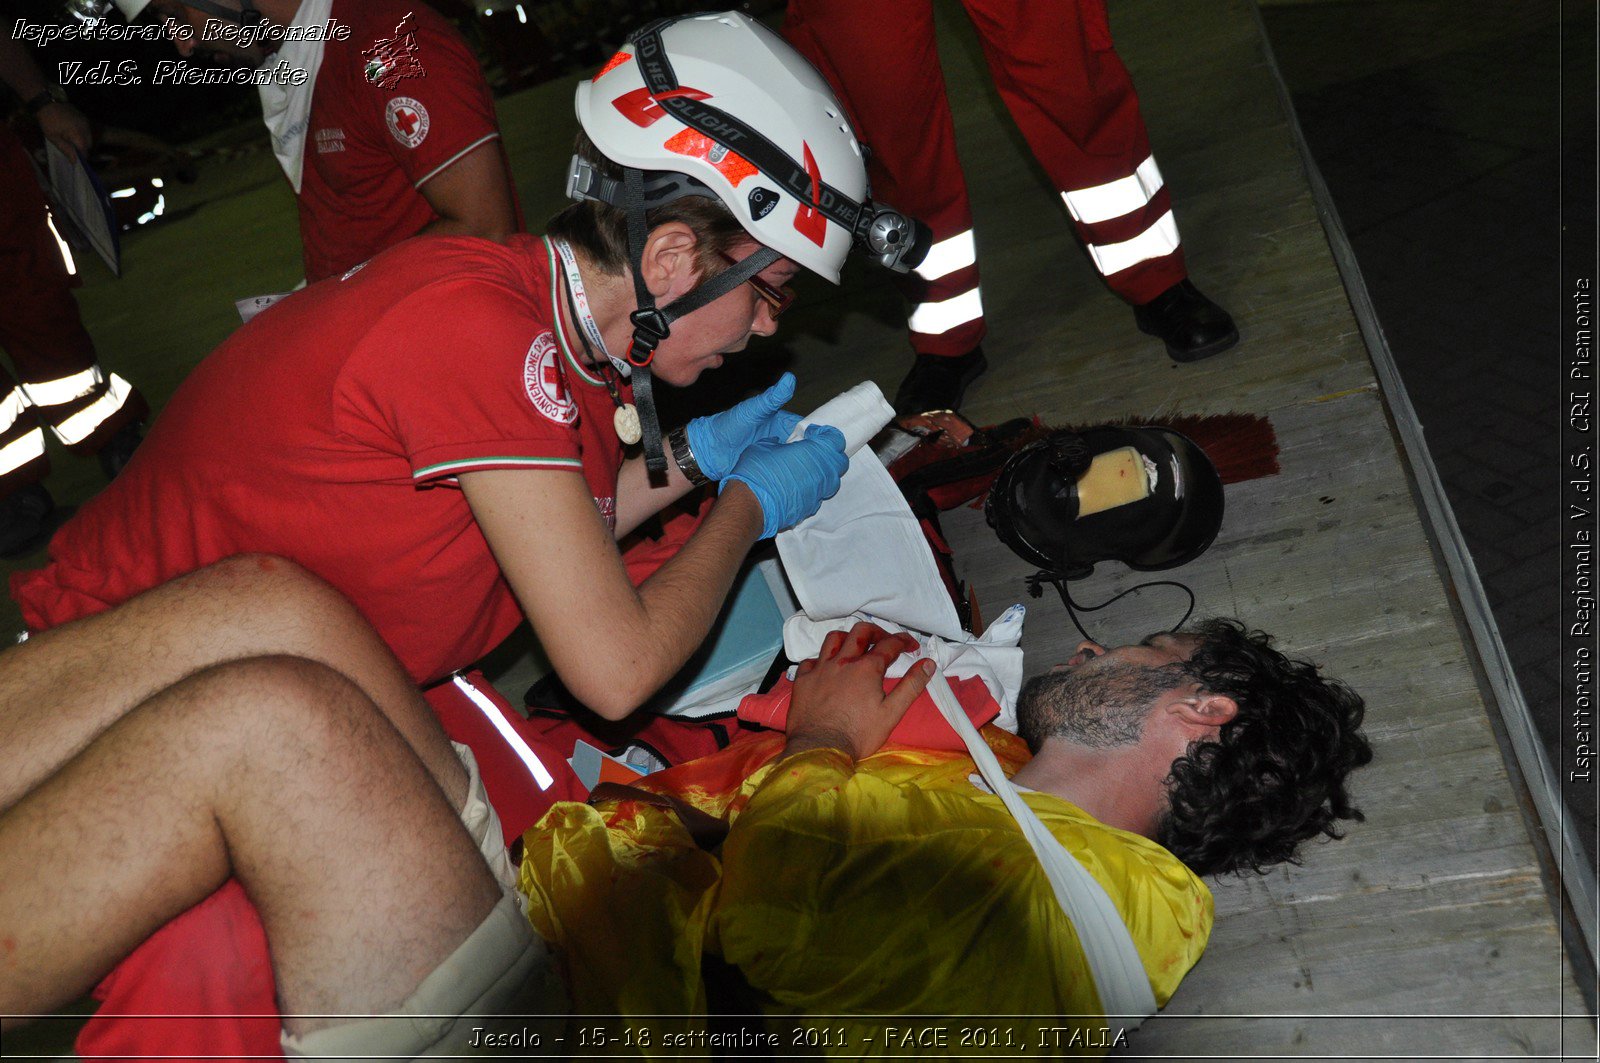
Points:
(717, 105)
(724, 101)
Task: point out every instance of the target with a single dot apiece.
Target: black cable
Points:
(1035, 589)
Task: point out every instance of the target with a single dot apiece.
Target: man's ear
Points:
(1205, 709)
(669, 259)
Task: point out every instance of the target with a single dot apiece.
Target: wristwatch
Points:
(51, 94)
(678, 440)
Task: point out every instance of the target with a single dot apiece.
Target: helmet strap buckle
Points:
(650, 327)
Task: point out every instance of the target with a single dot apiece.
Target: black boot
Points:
(24, 519)
(938, 383)
(1192, 326)
(119, 449)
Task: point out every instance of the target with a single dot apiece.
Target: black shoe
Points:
(117, 452)
(24, 519)
(938, 383)
(1192, 326)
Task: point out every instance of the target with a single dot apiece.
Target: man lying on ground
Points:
(258, 728)
(892, 883)
(310, 769)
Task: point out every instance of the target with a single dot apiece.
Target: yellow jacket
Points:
(883, 890)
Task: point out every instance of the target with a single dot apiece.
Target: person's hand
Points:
(66, 127)
(718, 440)
(839, 701)
(790, 480)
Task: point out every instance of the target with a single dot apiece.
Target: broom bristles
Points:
(1243, 446)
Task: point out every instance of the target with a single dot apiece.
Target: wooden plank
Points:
(1435, 904)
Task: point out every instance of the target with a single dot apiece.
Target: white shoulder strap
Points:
(1114, 962)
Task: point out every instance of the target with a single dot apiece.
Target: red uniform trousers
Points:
(1054, 66)
(62, 386)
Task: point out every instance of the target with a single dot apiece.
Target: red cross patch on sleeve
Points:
(407, 120)
(546, 384)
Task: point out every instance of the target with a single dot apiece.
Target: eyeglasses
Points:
(777, 299)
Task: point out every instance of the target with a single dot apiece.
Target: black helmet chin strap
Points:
(652, 324)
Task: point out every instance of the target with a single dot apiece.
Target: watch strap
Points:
(47, 96)
(678, 441)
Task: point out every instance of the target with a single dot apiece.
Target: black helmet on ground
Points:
(1036, 509)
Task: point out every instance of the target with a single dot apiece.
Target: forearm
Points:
(612, 643)
(805, 742)
(639, 497)
(681, 600)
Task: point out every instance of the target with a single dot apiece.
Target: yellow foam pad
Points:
(1114, 479)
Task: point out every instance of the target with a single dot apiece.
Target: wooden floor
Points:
(1435, 906)
(1428, 930)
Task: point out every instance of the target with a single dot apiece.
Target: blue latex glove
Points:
(790, 480)
(718, 440)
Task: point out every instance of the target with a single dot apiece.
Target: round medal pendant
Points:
(626, 421)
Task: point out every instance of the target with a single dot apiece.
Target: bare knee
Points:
(274, 606)
(271, 587)
(275, 707)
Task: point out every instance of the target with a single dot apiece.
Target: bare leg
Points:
(279, 771)
(63, 687)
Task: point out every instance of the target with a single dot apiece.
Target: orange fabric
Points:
(922, 727)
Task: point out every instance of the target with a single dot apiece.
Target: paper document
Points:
(252, 305)
(83, 209)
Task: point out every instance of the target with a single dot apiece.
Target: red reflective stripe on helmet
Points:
(683, 90)
(641, 108)
(729, 164)
(808, 220)
(611, 64)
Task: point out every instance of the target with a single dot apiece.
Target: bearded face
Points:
(1100, 705)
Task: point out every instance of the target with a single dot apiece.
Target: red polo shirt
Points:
(394, 104)
(330, 430)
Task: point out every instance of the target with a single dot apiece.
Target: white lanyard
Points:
(581, 300)
(626, 417)
(286, 109)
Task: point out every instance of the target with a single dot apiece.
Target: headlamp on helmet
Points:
(894, 240)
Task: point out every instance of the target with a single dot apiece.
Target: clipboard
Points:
(83, 210)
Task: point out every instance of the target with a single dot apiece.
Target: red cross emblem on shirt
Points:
(546, 384)
(555, 381)
(407, 119)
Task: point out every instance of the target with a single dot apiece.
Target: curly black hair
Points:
(1275, 775)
